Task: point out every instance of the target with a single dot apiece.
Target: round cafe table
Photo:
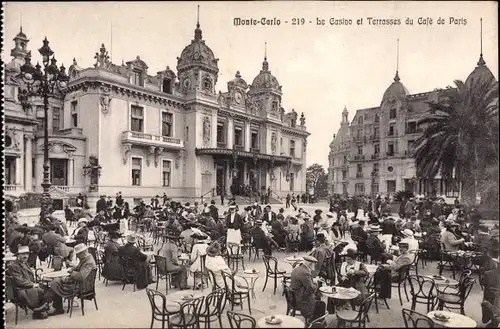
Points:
(293, 260)
(250, 278)
(340, 292)
(179, 297)
(442, 281)
(286, 322)
(456, 320)
(56, 274)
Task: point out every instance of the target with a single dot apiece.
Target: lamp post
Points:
(43, 84)
(373, 175)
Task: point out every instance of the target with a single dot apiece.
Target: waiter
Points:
(234, 223)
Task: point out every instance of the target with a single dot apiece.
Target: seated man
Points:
(27, 290)
(323, 254)
(179, 272)
(306, 290)
(61, 288)
(139, 262)
(405, 258)
(57, 244)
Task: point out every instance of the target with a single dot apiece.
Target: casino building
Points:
(123, 128)
(372, 154)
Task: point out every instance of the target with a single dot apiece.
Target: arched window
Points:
(207, 84)
(360, 120)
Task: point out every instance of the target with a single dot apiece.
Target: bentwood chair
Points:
(422, 290)
(236, 295)
(84, 290)
(272, 271)
(456, 301)
(414, 319)
(159, 310)
(236, 320)
(358, 317)
(11, 296)
(319, 322)
(188, 315)
(212, 308)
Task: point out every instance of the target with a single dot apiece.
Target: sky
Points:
(322, 68)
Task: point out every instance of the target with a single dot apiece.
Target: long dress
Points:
(199, 249)
(113, 269)
(233, 229)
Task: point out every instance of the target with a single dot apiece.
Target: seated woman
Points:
(113, 269)
(352, 275)
(199, 249)
(215, 263)
(81, 233)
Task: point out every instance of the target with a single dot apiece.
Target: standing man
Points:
(287, 204)
(101, 204)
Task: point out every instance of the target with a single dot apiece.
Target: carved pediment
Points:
(60, 147)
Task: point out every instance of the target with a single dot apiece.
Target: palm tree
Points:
(461, 136)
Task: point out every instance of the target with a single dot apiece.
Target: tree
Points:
(317, 179)
(460, 137)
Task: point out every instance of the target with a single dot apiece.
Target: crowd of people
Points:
(205, 231)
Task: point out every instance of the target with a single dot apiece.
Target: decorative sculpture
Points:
(274, 140)
(302, 120)
(206, 130)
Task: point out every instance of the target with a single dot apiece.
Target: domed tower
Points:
(197, 66)
(481, 72)
(19, 52)
(265, 92)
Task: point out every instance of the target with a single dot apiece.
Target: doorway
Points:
(220, 180)
(10, 170)
(59, 172)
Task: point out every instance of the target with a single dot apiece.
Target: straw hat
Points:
(258, 222)
(407, 233)
(83, 220)
(310, 259)
(329, 214)
(23, 250)
(79, 248)
(374, 228)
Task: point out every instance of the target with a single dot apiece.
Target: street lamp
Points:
(43, 84)
(373, 174)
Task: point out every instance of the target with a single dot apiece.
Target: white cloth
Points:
(216, 265)
(350, 245)
(198, 250)
(412, 243)
(345, 267)
(388, 240)
(233, 236)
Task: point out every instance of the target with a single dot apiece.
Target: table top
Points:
(443, 280)
(456, 320)
(294, 259)
(55, 274)
(180, 296)
(340, 293)
(248, 274)
(286, 322)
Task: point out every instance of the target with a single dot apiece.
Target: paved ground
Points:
(128, 309)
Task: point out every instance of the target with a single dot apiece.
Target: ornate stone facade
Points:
(169, 132)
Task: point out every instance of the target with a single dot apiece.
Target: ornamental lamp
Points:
(46, 52)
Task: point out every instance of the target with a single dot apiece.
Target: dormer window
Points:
(360, 120)
(137, 78)
(392, 113)
(167, 86)
(377, 118)
(275, 106)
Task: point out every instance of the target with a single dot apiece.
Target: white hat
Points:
(79, 248)
(23, 250)
(207, 210)
(329, 214)
(232, 206)
(407, 232)
(83, 220)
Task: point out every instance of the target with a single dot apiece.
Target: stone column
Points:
(28, 164)
(230, 134)
(246, 175)
(228, 178)
(20, 165)
(71, 176)
(248, 137)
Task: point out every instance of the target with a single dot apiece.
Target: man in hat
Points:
(449, 237)
(268, 215)
(307, 229)
(179, 272)
(323, 254)
(305, 290)
(138, 260)
(405, 258)
(60, 288)
(375, 246)
(260, 238)
(408, 237)
(56, 244)
(317, 216)
(27, 290)
(257, 210)
(483, 239)
(214, 211)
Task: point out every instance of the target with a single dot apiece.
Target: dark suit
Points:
(138, 262)
(179, 272)
(24, 281)
(101, 205)
(305, 291)
(388, 226)
(237, 224)
(214, 212)
(56, 243)
(265, 216)
(260, 240)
